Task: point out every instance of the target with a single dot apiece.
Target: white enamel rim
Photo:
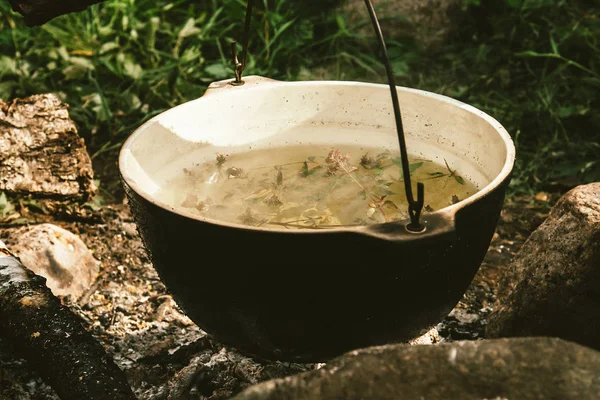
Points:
(222, 86)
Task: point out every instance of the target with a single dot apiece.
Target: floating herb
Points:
(278, 193)
(249, 218)
(273, 201)
(304, 172)
(385, 191)
(448, 167)
(203, 206)
(279, 181)
(235, 173)
(411, 167)
(391, 204)
(458, 178)
(338, 161)
(437, 174)
(190, 201)
(221, 159)
(455, 199)
(370, 163)
(309, 168)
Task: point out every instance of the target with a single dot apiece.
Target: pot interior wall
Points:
(274, 114)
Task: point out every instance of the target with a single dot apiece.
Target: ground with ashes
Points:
(165, 355)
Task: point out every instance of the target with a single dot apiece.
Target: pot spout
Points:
(439, 224)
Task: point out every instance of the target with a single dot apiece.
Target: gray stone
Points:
(524, 369)
(58, 255)
(552, 288)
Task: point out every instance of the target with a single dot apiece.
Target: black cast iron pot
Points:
(309, 295)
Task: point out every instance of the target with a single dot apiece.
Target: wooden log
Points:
(52, 339)
(38, 12)
(41, 152)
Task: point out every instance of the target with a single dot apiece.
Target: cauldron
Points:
(308, 295)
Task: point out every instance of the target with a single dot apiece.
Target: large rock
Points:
(429, 22)
(58, 255)
(527, 368)
(41, 152)
(552, 287)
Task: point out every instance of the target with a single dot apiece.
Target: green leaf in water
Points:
(279, 182)
(386, 192)
(436, 174)
(390, 203)
(309, 167)
(383, 182)
(304, 172)
(449, 169)
(413, 167)
(458, 178)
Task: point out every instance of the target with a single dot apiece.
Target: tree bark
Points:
(41, 152)
(38, 12)
(52, 339)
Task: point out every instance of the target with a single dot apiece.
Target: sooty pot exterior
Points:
(312, 296)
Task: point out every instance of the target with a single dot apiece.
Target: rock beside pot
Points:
(58, 255)
(526, 368)
(552, 288)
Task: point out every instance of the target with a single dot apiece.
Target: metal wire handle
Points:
(415, 207)
(239, 67)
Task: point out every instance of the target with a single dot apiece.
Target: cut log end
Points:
(41, 152)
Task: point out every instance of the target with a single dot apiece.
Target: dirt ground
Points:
(165, 355)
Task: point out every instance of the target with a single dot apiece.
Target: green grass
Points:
(533, 65)
(120, 63)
